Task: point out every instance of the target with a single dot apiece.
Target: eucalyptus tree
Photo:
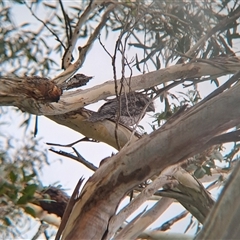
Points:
(170, 44)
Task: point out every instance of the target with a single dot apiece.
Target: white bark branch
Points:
(225, 214)
(40, 96)
(212, 31)
(83, 18)
(132, 230)
(155, 235)
(72, 68)
(71, 101)
(146, 157)
(14, 93)
(44, 215)
(160, 181)
(103, 131)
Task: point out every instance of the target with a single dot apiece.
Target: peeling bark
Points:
(28, 93)
(39, 95)
(225, 214)
(12, 90)
(137, 162)
(151, 154)
(103, 131)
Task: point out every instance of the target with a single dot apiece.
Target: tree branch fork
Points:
(150, 155)
(41, 96)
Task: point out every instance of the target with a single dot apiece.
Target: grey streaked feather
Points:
(132, 106)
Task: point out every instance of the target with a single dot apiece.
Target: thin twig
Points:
(218, 27)
(45, 24)
(85, 139)
(116, 90)
(103, 46)
(126, 29)
(82, 20)
(167, 225)
(67, 23)
(79, 158)
(72, 68)
(219, 90)
(159, 92)
(41, 230)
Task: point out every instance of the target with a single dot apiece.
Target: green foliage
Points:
(166, 30)
(173, 104)
(30, 211)
(27, 194)
(18, 182)
(159, 32)
(22, 50)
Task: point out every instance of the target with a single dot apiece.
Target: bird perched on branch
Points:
(132, 107)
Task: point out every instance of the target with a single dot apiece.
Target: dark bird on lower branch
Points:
(55, 200)
(132, 107)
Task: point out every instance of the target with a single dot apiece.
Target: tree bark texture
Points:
(137, 162)
(188, 134)
(223, 222)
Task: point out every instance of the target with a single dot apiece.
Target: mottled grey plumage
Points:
(132, 105)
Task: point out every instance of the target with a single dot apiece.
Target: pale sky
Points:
(67, 172)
